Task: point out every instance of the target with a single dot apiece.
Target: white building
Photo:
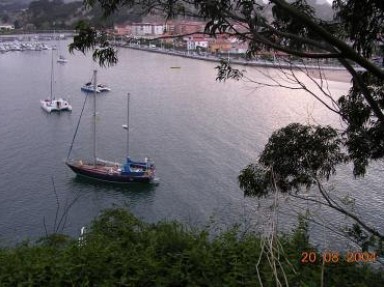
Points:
(7, 27)
(201, 42)
(196, 41)
(158, 29)
(148, 29)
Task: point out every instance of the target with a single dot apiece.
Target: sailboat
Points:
(52, 104)
(98, 169)
(61, 58)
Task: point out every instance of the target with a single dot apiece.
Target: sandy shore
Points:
(332, 75)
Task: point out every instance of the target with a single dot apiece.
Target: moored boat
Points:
(62, 59)
(103, 88)
(89, 88)
(52, 104)
(130, 171)
(55, 105)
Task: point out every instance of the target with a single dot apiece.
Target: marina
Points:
(31, 42)
(17, 46)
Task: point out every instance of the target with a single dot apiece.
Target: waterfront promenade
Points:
(332, 72)
(235, 60)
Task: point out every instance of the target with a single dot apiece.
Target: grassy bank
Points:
(120, 250)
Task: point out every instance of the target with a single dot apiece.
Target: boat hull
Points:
(103, 88)
(55, 105)
(62, 59)
(90, 89)
(100, 88)
(107, 173)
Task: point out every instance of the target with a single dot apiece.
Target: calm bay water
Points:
(199, 132)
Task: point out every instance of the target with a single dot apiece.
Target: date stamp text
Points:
(333, 257)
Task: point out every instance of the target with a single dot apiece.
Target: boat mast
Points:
(52, 77)
(94, 117)
(128, 96)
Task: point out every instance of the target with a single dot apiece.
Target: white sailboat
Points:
(61, 58)
(52, 104)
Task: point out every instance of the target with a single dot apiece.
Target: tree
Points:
(313, 152)
(5, 18)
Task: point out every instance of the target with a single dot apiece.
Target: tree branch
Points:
(347, 213)
(357, 78)
(346, 50)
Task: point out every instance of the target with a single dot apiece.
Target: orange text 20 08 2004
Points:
(312, 257)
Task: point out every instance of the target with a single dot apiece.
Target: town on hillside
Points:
(181, 35)
(189, 37)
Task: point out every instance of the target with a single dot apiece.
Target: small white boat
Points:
(103, 88)
(62, 59)
(55, 105)
(89, 88)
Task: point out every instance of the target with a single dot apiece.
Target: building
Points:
(5, 27)
(220, 45)
(188, 27)
(196, 41)
(148, 29)
(158, 29)
(237, 46)
(123, 30)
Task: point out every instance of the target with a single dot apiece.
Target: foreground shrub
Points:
(120, 250)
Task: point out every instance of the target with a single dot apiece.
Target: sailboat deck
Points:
(102, 168)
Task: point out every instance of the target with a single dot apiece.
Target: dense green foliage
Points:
(120, 250)
(44, 14)
(59, 14)
(295, 156)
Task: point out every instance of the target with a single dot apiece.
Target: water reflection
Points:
(135, 191)
(94, 196)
